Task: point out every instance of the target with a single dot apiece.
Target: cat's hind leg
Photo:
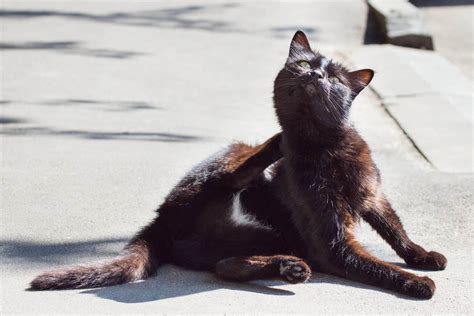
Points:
(288, 268)
(244, 163)
(386, 222)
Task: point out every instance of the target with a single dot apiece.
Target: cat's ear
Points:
(299, 41)
(360, 79)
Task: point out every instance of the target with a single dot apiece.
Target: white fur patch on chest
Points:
(238, 216)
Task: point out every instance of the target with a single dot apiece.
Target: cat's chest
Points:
(327, 177)
(331, 173)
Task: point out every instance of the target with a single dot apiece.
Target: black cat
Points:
(246, 214)
(328, 179)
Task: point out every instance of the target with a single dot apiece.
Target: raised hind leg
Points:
(244, 163)
(288, 268)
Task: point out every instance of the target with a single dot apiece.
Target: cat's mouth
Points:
(316, 91)
(311, 88)
(317, 87)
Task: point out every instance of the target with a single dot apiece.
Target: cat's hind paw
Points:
(295, 271)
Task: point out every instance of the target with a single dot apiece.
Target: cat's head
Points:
(315, 88)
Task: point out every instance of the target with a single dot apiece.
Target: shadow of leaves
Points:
(98, 135)
(175, 17)
(112, 106)
(18, 251)
(69, 47)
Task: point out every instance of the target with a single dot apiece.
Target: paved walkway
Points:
(450, 22)
(104, 107)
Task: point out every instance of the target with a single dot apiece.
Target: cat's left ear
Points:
(298, 43)
(300, 39)
(359, 79)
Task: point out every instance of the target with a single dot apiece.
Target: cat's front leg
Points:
(349, 259)
(383, 218)
(332, 248)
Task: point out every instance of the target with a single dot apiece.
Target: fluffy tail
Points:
(138, 260)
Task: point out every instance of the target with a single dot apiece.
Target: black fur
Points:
(304, 206)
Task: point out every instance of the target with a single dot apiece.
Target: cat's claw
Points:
(430, 261)
(295, 271)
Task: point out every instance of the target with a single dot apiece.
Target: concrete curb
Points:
(428, 97)
(401, 23)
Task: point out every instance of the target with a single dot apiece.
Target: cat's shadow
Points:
(326, 278)
(172, 281)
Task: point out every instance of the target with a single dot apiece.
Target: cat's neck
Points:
(313, 139)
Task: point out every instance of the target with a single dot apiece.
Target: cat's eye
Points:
(304, 64)
(334, 79)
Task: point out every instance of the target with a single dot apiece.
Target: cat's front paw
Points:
(420, 287)
(295, 271)
(428, 261)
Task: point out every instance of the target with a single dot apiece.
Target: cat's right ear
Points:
(299, 41)
(360, 79)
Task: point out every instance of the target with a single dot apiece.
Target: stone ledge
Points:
(401, 23)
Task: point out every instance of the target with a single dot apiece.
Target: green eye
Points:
(334, 79)
(304, 64)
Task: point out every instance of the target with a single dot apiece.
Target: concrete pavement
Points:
(105, 106)
(450, 23)
(428, 97)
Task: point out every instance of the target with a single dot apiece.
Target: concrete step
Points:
(429, 98)
(401, 23)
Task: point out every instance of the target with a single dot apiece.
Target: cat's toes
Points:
(295, 271)
(421, 287)
(429, 261)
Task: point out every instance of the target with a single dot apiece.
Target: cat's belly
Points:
(261, 202)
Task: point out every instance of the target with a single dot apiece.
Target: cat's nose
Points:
(316, 74)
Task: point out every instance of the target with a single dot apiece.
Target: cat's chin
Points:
(311, 89)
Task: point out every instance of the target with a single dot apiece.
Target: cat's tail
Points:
(138, 260)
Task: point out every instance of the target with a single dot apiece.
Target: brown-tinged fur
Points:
(304, 206)
(134, 264)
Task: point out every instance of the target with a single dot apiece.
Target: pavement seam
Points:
(409, 138)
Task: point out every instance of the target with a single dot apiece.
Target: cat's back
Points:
(205, 177)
